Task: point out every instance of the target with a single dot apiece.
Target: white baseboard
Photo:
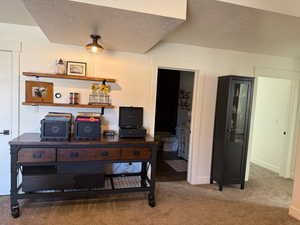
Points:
(292, 174)
(266, 165)
(4, 193)
(294, 212)
(200, 180)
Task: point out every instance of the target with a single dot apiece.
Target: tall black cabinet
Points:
(231, 131)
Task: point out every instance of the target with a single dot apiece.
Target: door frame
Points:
(14, 47)
(286, 169)
(194, 118)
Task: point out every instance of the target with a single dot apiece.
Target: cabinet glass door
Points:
(238, 117)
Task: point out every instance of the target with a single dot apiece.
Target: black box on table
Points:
(56, 126)
(87, 128)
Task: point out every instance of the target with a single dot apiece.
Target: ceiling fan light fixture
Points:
(94, 46)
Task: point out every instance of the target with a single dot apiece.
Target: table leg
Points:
(151, 195)
(144, 174)
(14, 205)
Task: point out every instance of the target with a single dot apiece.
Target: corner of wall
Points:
(294, 212)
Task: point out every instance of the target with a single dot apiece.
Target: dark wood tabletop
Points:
(34, 139)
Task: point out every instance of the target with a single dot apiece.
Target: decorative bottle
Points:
(60, 67)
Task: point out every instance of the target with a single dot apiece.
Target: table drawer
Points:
(104, 154)
(88, 154)
(72, 155)
(135, 153)
(32, 155)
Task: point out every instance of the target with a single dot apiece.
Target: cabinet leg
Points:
(242, 185)
(220, 187)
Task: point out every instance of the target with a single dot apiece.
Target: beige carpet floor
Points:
(178, 203)
(264, 187)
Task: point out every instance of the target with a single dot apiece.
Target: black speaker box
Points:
(130, 117)
(87, 130)
(55, 130)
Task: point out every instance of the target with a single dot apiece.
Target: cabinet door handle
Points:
(74, 154)
(37, 155)
(104, 153)
(136, 153)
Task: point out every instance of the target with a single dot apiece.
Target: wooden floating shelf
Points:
(60, 76)
(69, 105)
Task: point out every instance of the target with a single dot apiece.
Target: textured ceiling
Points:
(221, 25)
(14, 11)
(168, 8)
(210, 23)
(287, 7)
(68, 22)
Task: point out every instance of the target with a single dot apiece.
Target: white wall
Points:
(295, 207)
(210, 63)
(136, 82)
(269, 145)
(126, 68)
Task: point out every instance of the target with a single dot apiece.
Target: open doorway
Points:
(174, 99)
(272, 149)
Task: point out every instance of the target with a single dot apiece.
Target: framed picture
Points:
(39, 92)
(76, 68)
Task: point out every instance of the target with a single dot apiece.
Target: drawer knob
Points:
(37, 155)
(136, 153)
(104, 153)
(74, 154)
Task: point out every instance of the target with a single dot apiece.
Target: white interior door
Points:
(5, 119)
(270, 140)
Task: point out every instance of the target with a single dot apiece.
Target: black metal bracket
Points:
(102, 109)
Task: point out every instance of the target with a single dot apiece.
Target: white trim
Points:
(200, 180)
(251, 133)
(293, 129)
(195, 129)
(14, 48)
(202, 130)
(266, 165)
(287, 165)
(14, 98)
(11, 46)
(15, 94)
(191, 161)
(294, 212)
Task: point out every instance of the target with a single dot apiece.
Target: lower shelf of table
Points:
(121, 183)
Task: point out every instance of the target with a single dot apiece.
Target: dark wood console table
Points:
(73, 169)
